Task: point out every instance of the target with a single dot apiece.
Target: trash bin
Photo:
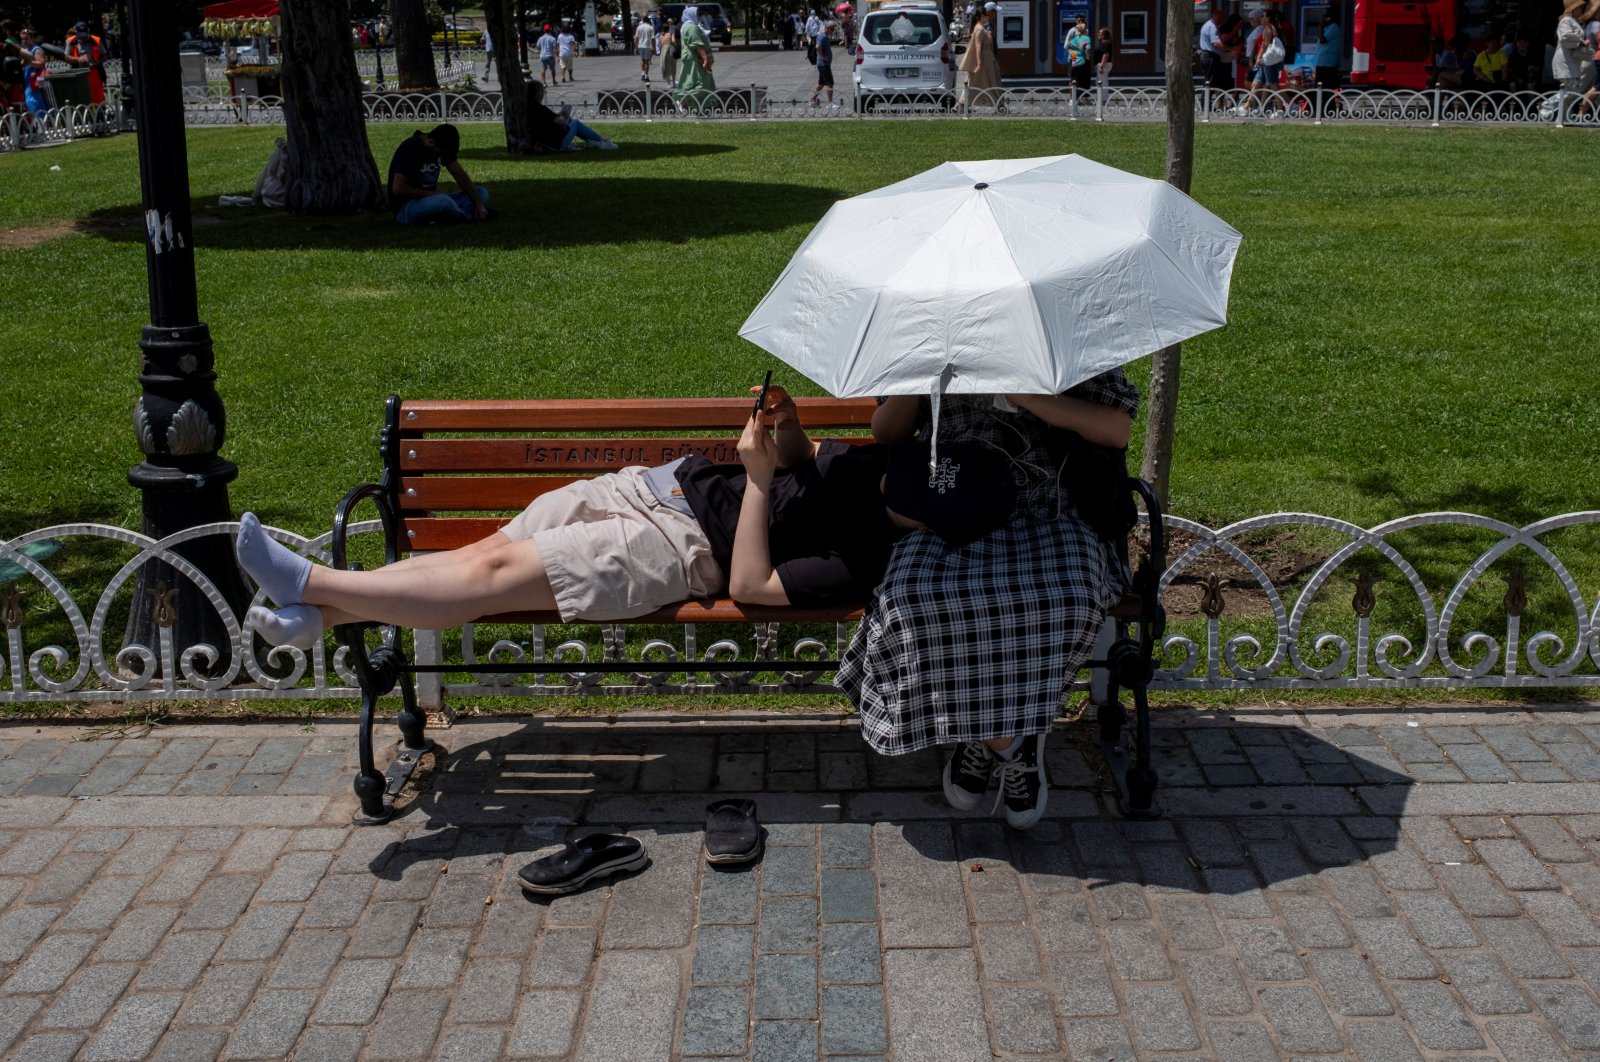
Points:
(70, 87)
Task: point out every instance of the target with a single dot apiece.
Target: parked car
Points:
(904, 53)
(712, 20)
(201, 45)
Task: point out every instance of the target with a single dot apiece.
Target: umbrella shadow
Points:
(554, 212)
(497, 800)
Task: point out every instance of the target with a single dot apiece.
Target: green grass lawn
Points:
(1412, 323)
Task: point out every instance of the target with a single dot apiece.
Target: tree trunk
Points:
(1161, 412)
(330, 165)
(413, 45)
(500, 16)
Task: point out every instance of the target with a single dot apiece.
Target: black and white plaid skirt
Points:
(981, 642)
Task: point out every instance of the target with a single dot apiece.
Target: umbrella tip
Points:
(980, 186)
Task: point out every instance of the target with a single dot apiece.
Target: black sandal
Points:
(581, 861)
(733, 835)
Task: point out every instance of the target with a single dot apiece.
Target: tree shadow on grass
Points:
(559, 211)
(629, 152)
(1508, 502)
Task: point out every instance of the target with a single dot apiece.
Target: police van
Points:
(904, 53)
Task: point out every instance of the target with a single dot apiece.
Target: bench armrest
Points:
(1147, 580)
(379, 496)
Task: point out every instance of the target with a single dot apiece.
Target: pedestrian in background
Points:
(1102, 58)
(565, 53)
(1329, 45)
(824, 66)
(978, 61)
(671, 47)
(488, 51)
(644, 39)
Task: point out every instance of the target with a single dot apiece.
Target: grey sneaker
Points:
(607, 145)
(1022, 784)
(967, 773)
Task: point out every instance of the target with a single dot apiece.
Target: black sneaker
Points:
(581, 861)
(1022, 784)
(966, 774)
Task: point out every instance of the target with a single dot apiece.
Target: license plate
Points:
(899, 71)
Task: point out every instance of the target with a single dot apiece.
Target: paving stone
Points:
(1393, 949)
(788, 924)
(1540, 772)
(144, 854)
(339, 901)
(385, 930)
(261, 932)
(1165, 868)
(1119, 901)
(1348, 981)
(1563, 921)
(135, 937)
(723, 954)
(784, 1041)
(1276, 766)
(1523, 948)
(1484, 984)
(1436, 921)
(49, 965)
(564, 957)
(1241, 1041)
(108, 776)
(210, 776)
(846, 844)
(308, 958)
(1266, 952)
(1433, 1015)
(1314, 922)
(932, 995)
(546, 1023)
(33, 852)
(1526, 1041)
(1138, 955)
(1411, 744)
(99, 905)
(179, 879)
(727, 895)
(101, 840)
(1160, 1018)
(436, 958)
(850, 954)
(715, 1021)
(1237, 893)
(1581, 761)
(1514, 864)
(271, 1026)
(646, 909)
(1065, 924)
(1358, 892)
(471, 1045)
(789, 871)
(48, 1047)
(1477, 892)
(180, 961)
(1106, 1040)
(853, 1019)
(1382, 1042)
(88, 998)
(15, 1014)
(1325, 842)
(1300, 1019)
(1571, 1010)
(408, 1026)
(1215, 984)
(329, 1044)
(633, 1007)
(178, 756)
(786, 986)
(488, 992)
(1479, 763)
(1189, 924)
(133, 1028)
(223, 995)
(919, 881)
(1512, 744)
(850, 895)
(1549, 840)
(256, 851)
(1398, 867)
(65, 879)
(1083, 986)
(1435, 840)
(357, 991)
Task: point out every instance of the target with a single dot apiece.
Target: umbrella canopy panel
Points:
(1013, 275)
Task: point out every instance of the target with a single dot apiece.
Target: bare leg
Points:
(498, 540)
(479, 582)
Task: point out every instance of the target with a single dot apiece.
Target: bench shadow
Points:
(1248, 805)
(565, 208)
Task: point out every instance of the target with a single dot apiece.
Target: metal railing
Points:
(1248, 626)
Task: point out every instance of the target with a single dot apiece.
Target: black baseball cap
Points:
(965, 494)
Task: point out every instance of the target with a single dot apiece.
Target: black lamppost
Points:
(449, 31)
(179, 419)
(377, 51)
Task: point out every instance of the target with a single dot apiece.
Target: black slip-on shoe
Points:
(580, 862)
(732, 833)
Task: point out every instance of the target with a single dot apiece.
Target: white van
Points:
(904, 52)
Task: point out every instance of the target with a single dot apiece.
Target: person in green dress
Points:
(695, 83)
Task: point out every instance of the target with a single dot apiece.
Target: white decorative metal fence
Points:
(1438, 600)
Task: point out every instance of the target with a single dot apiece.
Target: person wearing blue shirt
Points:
(1328, 50)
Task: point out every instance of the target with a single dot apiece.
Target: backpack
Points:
(1095, 479)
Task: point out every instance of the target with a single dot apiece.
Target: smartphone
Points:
(761, 399)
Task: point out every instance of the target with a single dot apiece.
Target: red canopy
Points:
(242, 9)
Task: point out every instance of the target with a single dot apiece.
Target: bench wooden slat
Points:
(476, 493)
(637, 414)
(569, 455)
(429, 533)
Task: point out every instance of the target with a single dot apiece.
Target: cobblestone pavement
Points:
(1326, 885)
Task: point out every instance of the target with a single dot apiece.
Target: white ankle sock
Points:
(1010, 751)
(280, 570)
(296, 625)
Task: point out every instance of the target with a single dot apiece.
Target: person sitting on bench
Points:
(796, 522)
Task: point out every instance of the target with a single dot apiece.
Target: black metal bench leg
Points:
(1141, 777)
(411, 720)
(369, 784)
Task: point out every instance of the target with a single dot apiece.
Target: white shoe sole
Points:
(957, 797)
(1029, 819)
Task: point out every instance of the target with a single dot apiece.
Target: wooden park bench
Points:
(455, 471)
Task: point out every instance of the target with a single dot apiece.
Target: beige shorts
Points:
(613, 552)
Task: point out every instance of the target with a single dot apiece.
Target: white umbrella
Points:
(1014, 275)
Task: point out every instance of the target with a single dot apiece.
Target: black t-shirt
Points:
(1102, 51)
(828, 534)
(419, 165)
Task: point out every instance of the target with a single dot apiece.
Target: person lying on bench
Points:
(794, 523)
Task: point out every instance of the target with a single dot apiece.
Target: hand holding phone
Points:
(761, 398)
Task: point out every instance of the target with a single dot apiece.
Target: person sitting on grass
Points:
(414, 194)
(554, 131)
(796, 522)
